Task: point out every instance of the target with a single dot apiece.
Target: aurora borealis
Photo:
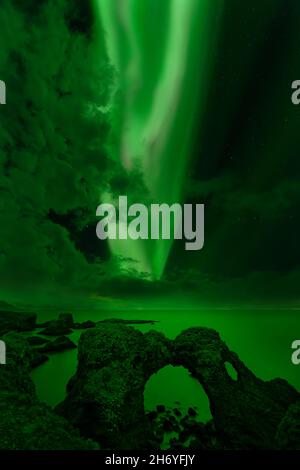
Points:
(159, 94)
(161, 101)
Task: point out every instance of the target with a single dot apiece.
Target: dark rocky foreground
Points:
(16, 321)
(25, 423)
(104, 406)
(105, 398)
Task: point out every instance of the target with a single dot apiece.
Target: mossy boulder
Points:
(62, 343)
(16, 321)
(61, 326)
(106, 396)
(55, 328)
(25, 423)
(246, 411)
(66, 319)
(37, 340)
(288, 433)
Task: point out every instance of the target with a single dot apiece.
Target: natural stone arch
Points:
(177, 407)
(247, 411)
(105, 398)
(166, 386)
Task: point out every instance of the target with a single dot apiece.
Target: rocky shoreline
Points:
(104, 405)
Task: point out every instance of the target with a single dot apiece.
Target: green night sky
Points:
(162, 101)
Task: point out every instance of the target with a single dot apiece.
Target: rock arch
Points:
(105, 398)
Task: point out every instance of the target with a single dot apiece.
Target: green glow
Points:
(160, 50)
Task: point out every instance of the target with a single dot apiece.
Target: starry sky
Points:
(71, 105)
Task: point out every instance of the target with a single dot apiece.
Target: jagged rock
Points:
(247, 411)
(288, 433)
(151, 415)
(84, 325)
(36, 340)
(37, 359)
(157, 352)
(61, 326)
(177, 412)
(167, 425)
(16, 321)
(66, 319)
(161, 408)
(25, 423)
(204, 437)
(14, 376)
(62, 343)
(192, 412)
(106, 396)
(37, 428)
(55, 328)
(182, 430)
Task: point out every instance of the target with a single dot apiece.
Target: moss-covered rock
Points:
(288, 433)
(37, 340)
(246, 411)
(16, 321)
(106, 396)
(84, 325)
(66, 319)
(37, 358)
(56, 328)
(62, 343)
(27, 424)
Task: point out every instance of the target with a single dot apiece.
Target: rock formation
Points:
(27, 424)
(61, 343)
(247, 411)
(288, 433)
(105, 397)
(16, 321)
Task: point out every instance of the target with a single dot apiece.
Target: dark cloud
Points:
(235, 199)
(52, 144)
